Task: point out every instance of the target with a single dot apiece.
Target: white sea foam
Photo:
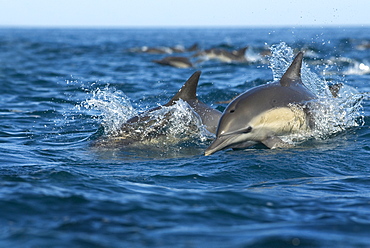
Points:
(358, 68)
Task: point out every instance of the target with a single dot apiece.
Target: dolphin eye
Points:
(232, 111)
(247, 130)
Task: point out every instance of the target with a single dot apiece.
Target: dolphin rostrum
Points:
(188, 93)
(263, 113)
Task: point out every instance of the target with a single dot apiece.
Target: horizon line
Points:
(180, 26)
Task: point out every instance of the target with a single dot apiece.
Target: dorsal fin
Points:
(293, 73)
(193, 48)
(188, 91)
(242, 51)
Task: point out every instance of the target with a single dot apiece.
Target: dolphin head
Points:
(263, 112)
(240, 124)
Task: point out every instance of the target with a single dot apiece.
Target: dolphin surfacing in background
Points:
(265, 112)
(225, 55)
(175, 61)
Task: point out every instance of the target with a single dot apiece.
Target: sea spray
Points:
(281, 58)
(113, 107)
(166, 125)
(331, 114)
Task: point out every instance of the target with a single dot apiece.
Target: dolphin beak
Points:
(218, 144)
(228, 141)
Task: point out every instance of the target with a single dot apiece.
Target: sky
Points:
(183, 13)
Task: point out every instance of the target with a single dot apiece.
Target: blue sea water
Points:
(59, 87)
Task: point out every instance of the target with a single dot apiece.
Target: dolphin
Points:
(225, 55)
(181, 49)
(265, 112)
(178, 62)
(188, 93)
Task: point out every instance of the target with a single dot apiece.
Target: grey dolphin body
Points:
(224, 55)
(265, 112)
(178, 62)
(188, 93)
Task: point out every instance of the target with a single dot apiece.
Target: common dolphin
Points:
(181, 49)
(225, 55)
(178, 62)
(188, 93)
(265, 112)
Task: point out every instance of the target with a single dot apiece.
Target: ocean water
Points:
(63, 182)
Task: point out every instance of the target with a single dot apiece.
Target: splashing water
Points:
(331, 114)
(281, 58)
(165, 125)
(336, 114)
(113, 105)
